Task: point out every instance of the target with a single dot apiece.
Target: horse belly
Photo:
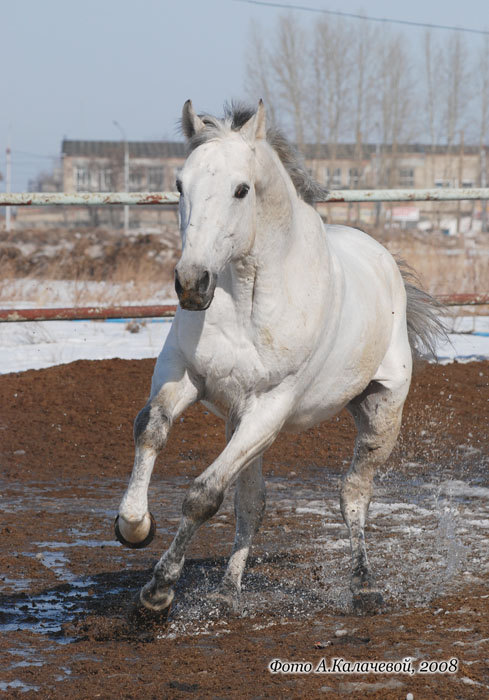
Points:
(317, 406)
(345, 374)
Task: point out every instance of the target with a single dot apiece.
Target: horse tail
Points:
(424, 325)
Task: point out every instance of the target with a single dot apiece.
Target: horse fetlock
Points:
(367, 602)
(367, 598)
(151, 427)
(135, 534)
(202, 502)
(361, 579)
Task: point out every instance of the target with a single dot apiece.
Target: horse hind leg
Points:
(249, 507)
(377, 413)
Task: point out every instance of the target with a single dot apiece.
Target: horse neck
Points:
(259, 276)
(276, 207)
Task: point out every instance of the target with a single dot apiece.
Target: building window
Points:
(82, 178)
(336, 182)
(467, 183)
(353, 177)
(156, 177)
(106, 180)
(135, 181)
(441, 182)
(406, 177)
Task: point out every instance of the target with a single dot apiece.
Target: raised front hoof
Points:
(367, 602)
(135, 537)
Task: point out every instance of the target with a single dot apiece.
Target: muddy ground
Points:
(69, 626)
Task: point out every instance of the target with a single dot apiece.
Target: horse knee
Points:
(202, 502)
(151, 427)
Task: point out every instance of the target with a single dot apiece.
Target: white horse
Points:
(282, 322)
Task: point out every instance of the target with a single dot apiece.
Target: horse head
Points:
(217, 201)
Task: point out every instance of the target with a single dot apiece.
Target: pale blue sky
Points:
(69, 68)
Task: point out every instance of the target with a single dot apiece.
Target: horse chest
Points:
(225, 358)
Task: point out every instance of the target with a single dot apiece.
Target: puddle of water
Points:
(421, 538)
(18, 685)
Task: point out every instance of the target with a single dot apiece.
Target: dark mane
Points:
(235, 116)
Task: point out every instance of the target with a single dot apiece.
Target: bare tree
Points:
(395, 99)
(482, 72)
(483, 79)
(432, 101)
(259, 79)
(289, 61)
(277, 71)
(363, 75)
(455, 87)
(333, 62)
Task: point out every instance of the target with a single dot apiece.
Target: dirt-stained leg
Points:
(377, 413)
(172, 392)
(249, 507)
(256, 430)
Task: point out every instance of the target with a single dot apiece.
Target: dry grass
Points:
(93, 267)
(453, 266)
(104, 267)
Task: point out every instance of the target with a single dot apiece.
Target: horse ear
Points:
(191, 122)
(255, 127)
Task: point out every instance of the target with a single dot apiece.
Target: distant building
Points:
(98, 166)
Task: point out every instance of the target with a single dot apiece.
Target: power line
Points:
(352, 15)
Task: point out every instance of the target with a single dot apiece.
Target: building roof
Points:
(350, 150)
(115, 149)
(177, 149)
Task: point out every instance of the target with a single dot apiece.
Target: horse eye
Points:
(241, 191)
(179, 186)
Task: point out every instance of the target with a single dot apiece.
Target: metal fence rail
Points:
(40, 199)
(84, 313)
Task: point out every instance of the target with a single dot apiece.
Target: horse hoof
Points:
(139, 537)
(367, 602)
(154, 601)
(145, 621)
(226, 599)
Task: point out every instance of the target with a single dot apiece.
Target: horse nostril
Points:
(204, 282)
(178, 286)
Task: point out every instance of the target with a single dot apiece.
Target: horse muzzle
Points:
(195, 290)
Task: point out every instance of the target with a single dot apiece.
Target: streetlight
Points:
(126, 173)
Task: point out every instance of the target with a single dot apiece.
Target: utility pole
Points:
(126, 174)
(377, 174)
(460, 178)
(8, 184)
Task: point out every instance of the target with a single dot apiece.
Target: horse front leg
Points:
(249, 508)
(255, 431)
(134, 524)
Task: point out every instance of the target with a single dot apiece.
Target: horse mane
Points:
(236, 115)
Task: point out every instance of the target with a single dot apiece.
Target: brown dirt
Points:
(66, 452)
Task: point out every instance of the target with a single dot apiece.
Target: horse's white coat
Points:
(305, 320)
